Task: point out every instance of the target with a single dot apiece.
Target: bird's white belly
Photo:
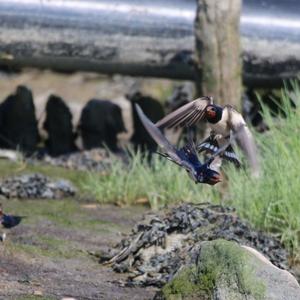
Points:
(220, 128)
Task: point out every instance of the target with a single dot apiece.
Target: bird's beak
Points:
(215, 179)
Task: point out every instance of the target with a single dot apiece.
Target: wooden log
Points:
(218, 51)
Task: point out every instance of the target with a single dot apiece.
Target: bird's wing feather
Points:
(231, 156)
(190, 152)
(169, 150)
(186, 115)
(211, 161)
(221, 150)
(244, 139)
(212, 144)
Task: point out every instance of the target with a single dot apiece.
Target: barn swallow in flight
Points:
(186, 156)
(221, 120)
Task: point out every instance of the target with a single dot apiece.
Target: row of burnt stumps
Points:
(99, 125)
(100, 121)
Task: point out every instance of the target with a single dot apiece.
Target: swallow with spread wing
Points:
(186, 156)
(221, 120)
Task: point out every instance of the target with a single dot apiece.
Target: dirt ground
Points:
(48, 255)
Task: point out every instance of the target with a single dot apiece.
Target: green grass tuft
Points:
(161, 183)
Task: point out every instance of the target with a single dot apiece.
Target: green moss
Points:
(227, 263)
(183, 285)
(220, 263)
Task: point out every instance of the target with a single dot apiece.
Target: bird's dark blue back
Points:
(8, 221)
(188, 153)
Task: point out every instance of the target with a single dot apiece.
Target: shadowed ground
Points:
(47, 256)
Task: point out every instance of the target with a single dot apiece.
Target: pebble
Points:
(97, 160)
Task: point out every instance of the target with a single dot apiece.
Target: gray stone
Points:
(224, 270)
(280, 284)
(30, 186)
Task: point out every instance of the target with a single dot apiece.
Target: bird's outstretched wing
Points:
(222, 149)
(169, 151)
(215, 160)
(186, 115)
(190, 151)
(244, 139)
(211, 145)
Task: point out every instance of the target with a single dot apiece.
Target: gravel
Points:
(160, 244)
(29, 186)
(97, 160)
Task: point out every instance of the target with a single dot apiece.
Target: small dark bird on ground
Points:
(186, 156)
(9, 221)
(222, 120)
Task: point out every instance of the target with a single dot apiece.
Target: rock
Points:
(30, 186)
(98, 160)
(224, 270)
(280, 284)
(10, 154)
(3, 237)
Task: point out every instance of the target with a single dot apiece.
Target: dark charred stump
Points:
(58, 124)
(100, 123)
(18, 124)
(154, 111)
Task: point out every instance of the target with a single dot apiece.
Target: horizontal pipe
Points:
(143, 37)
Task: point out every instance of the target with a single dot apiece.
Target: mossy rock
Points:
(222, 268)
